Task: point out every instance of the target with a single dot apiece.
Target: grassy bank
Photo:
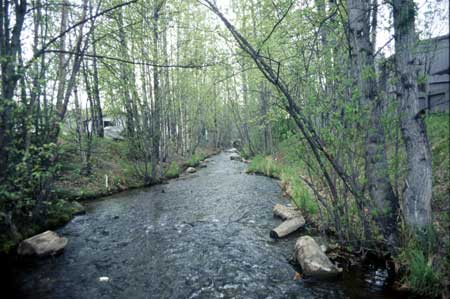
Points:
(289, 168)
(422, 261)
(111, 170)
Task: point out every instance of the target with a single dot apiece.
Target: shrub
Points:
(265, 166)
(195, 159)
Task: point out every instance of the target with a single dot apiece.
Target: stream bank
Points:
(203, 235)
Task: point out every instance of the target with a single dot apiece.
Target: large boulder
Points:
(313, 260)
(191, 170)
(285, 212)
(45, 244)
(287, 227)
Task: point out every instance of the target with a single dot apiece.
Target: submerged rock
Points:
(235, 157)
(44, 244)
(313, 260)
(191, 170)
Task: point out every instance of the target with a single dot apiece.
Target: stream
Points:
(203, 235)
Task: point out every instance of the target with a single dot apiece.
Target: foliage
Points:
(195, 159)
(299, 193)
(290, 177)
(265, 166)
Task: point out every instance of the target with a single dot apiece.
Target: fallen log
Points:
(285, 212)
(287, 227)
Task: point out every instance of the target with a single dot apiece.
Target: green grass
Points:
(290, 176)
(265, 166)
(424, 270)
(195, 159)
(299, 192)
(172, 171)
(438, 135)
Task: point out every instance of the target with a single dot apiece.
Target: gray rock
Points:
(45, 244)
(191, 170)
(313, 260)
(235, 157)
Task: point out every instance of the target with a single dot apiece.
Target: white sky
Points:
(432, 20)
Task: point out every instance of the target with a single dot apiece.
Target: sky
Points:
(432, 20)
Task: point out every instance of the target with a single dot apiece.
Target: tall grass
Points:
(265, 166)
(172, 171)
(424, 269)
(290, 176)
(195, 159)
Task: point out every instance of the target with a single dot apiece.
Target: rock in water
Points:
(285, 212)
(235, 157)
(47, 243)
(312, 259)
(191, 170)
(287, 227)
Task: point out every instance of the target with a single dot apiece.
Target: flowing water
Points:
(204, 235)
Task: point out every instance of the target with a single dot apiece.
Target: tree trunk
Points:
(418, 185)
(376, 165)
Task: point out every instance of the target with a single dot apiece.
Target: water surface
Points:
(204, 235)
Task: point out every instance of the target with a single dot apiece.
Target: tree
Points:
(418, 183)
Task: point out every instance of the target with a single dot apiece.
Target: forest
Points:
(329, 97)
